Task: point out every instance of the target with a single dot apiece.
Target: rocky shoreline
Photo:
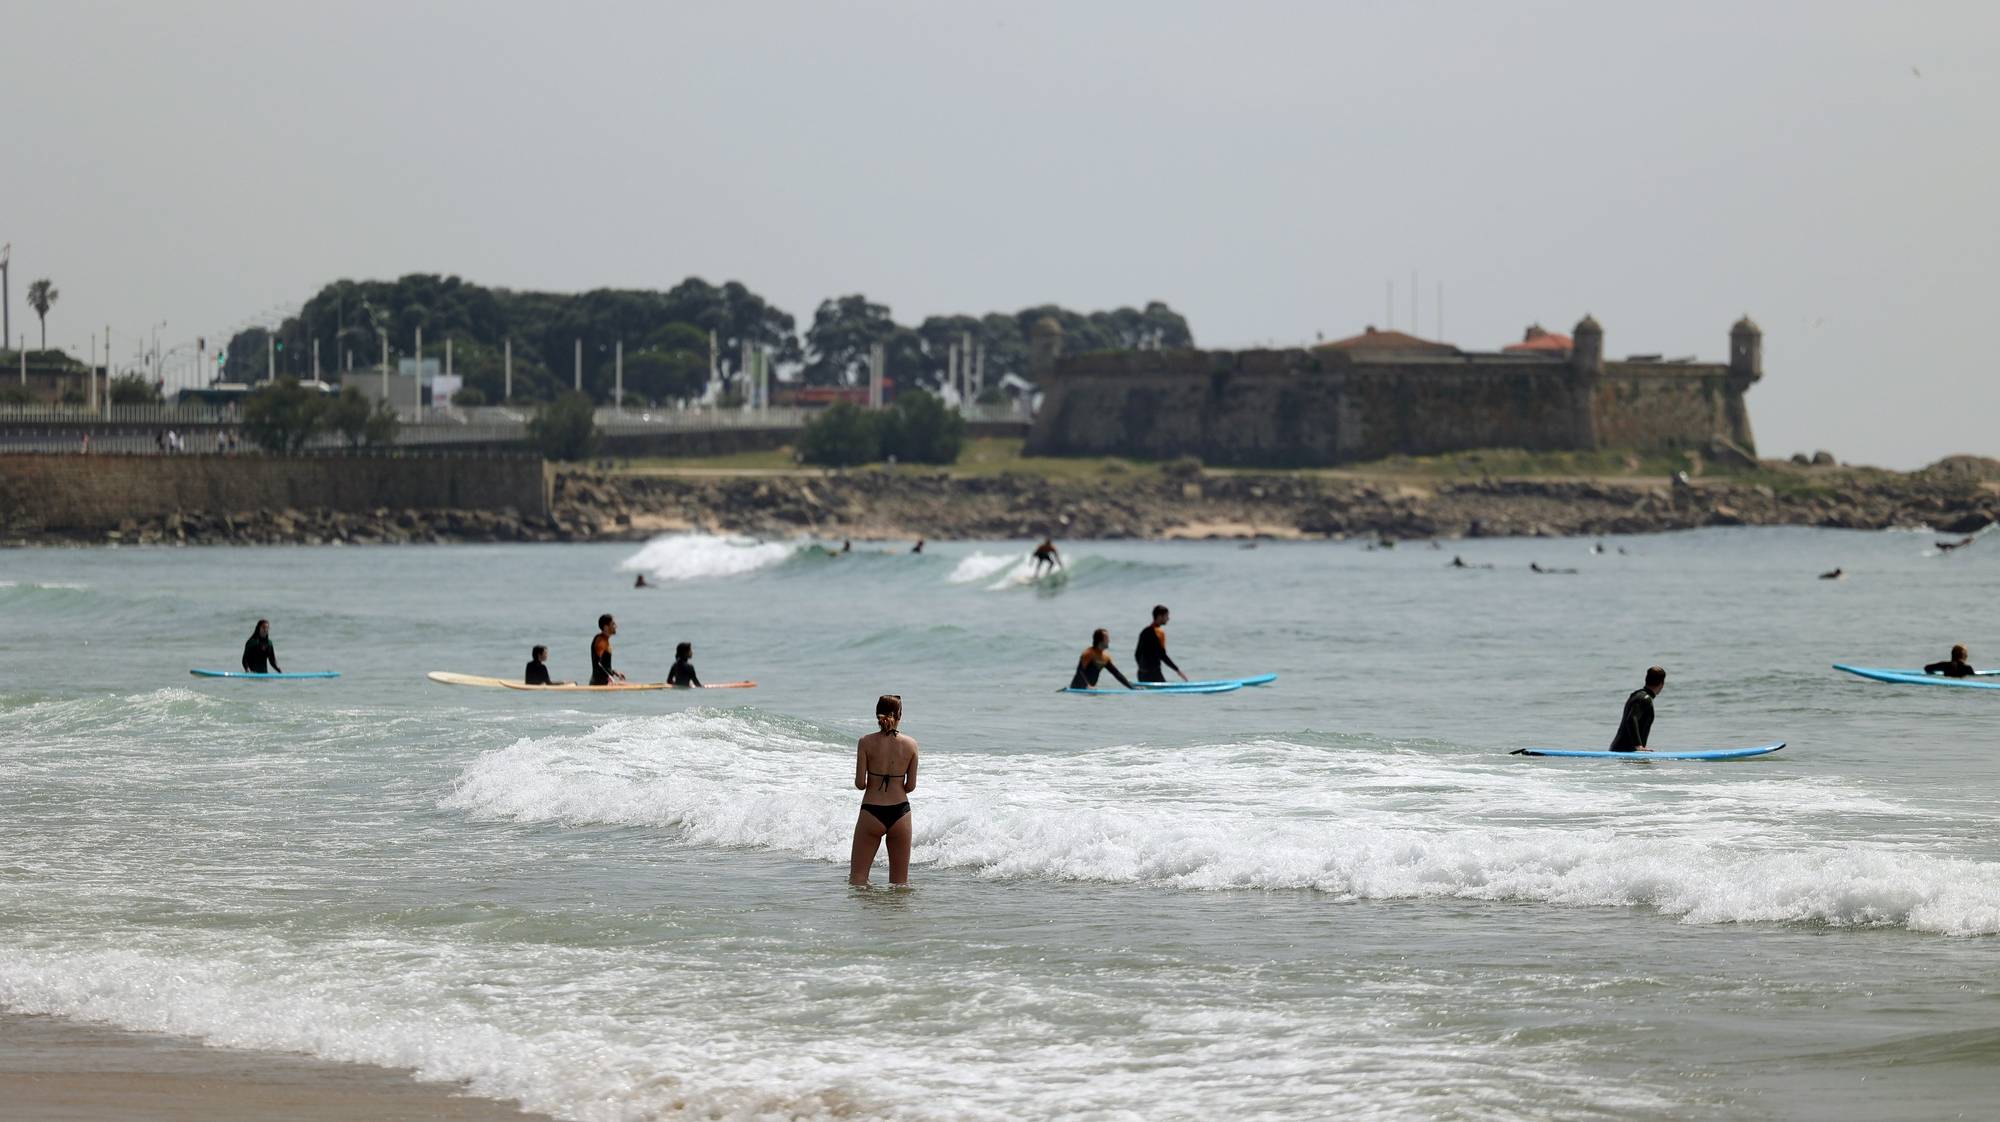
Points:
(1956, 496)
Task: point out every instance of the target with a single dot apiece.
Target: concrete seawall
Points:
(77, 493)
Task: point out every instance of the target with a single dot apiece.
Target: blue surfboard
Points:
(1986, 680)
(1695, 754)
(264, 677)
(1256, 680)
(1224, 687)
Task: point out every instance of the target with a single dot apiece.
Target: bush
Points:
(566, 428)
(353, 416)
(1187, 467)
(133, 389)
(842, 436)
(469, 396)
(918, 429)
(283, 416)
(15, 395)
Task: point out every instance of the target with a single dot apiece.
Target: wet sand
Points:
(53, 1070)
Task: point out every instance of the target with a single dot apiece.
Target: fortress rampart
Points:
(1329, 405)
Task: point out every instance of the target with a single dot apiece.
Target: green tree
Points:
(566, 428)
(282, 416)
(41, 297)
(359, 419)
(843, 332)
(841, 436)
(666, 375)
(133, 389)
(919, 429)
(469, 396)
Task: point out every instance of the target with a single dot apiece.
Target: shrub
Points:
(354, 417)
(133, 389)
(283, 415)
(566, 428)
(918, 429)
(1187, 467)
(469, 396)
(842, 436)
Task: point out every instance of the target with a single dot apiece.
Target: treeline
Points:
(665, 334)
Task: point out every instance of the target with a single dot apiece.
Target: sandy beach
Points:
(54, 1070)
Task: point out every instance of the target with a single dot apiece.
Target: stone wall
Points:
(62, 492)
(1659, 407)
(1293, 408)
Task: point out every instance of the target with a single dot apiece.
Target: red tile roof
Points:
(1535, 340)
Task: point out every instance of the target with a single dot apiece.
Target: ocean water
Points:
(1334, 897)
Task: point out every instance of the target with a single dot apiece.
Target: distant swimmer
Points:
(847, 546)
(919, 547)
(1096, 659)
(641, 582)
(259, 657)
(885, 770)
(1635, 725)
(1458, 562)
(601, 673)
(1834, 574)
(1535, 568)
(1151, 652)
(1947, 547)
(1046, 557)
(1954, 667)
(682, 676)
(537, 673)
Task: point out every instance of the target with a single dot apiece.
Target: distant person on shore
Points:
(1151, 653)
(537, 673)
(1096, 659)
(1046, 558)
(259, 656)
(885, 770)
(682, 676)
(601, 673)
(641, 582)
(1635, 725)
(1954, 667)
(1835, 573)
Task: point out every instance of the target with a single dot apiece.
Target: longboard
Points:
(1222, 687)
(447, 678)
(1697, 754)
(264, 677)
(1984, 680)
(1255, 680)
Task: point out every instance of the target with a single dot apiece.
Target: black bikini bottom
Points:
(887, 815)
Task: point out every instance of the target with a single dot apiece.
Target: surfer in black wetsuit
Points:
(682, 676)
(1635, 725)
(1151, 652)
(1046, 558)
(259, 657)
(601, 673)
(537, 673)
(1096, 659)
(1954, 667)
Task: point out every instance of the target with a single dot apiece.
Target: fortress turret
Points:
(1586, 355)
(1045, 346)
(1746, 351)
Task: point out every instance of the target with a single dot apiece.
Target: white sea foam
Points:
(1365, 825)
(679, 557)
(980, 566)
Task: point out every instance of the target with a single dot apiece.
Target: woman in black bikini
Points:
(885, 769)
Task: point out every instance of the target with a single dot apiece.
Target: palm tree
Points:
(41, 297)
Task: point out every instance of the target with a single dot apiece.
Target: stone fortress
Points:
(1384, 393)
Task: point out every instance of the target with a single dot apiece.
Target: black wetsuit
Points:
(1089, 666)
(682, 675)
(600, 665)
(1151, 652)
(1952, 668)
(1636, 725)
(258, 655)
(537, 673)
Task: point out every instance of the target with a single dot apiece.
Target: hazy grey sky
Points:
(1265, 168)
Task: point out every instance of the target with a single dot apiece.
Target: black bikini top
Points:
(886, 778)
